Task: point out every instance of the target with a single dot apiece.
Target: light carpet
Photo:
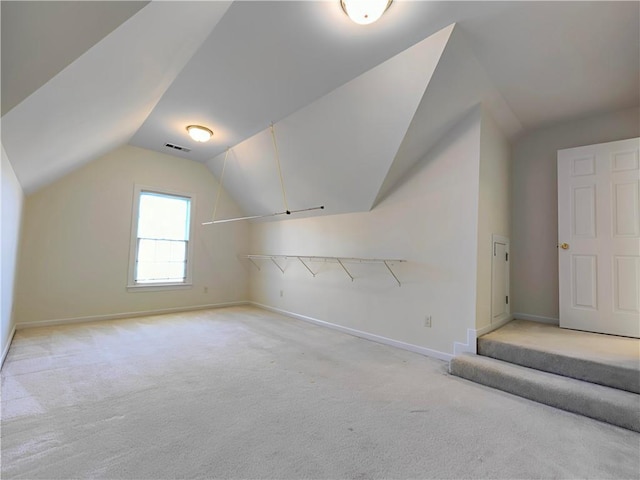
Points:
(244, 393)
(594, 357)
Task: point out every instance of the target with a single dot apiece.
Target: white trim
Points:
(493, 326)
(499, 239)
(537, 318)
(470, 346)
(115, 316)
(358, 333)
(132, 286)
(472, 336)
(502, 241)
(158, 287)
(5, 352)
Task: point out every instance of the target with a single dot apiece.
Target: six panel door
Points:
(599, 237)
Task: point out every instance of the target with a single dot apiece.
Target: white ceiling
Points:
(238, 68)
(98, 102)
(39, 39)
(336, 151)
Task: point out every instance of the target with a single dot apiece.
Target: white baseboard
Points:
(494, 326)
(470, 346)
(115, 316)
(358, 333)
(537, 318)
(5, 352)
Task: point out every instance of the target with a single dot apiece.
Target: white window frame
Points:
(132, 286)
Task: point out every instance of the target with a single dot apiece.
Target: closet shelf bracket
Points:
(277, 264)
(306, 266)
(386, 264)
(306, 260)
(345, 268)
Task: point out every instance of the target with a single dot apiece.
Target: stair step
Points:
(617, 407)
(613, 362)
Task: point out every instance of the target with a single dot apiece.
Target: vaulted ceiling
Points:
(354, 107)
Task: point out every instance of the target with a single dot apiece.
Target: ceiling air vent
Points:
(177, 147)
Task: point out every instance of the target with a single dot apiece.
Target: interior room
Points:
(320, 239)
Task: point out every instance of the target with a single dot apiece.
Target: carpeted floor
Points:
(243, 393)
(612, 356)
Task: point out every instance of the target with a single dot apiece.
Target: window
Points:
(160, 249)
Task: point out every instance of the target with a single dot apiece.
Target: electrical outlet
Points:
(427, 321)
(282, 293)
(205, 290)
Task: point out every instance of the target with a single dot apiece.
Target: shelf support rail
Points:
(340, 260)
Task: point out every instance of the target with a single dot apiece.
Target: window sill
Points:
(158, 287)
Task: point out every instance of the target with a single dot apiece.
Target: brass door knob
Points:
(564, 246)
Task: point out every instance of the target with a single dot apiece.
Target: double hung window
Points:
(160, 247)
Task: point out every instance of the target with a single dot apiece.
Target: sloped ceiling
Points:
(336, 151)
(558, 60)
(39, 39)
(238, 68)
(98, 102)
(459, 82)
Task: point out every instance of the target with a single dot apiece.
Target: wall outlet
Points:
(282, 293)
(427, 321)
(205, 290)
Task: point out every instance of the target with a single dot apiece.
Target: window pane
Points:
(146, 250)
(163, 234)
(156, 272)
(161, 261)
(163, 251)
(178, 251)
(144, 271)
(163, 216)
(173, 270)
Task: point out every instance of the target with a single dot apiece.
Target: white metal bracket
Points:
(273, 259)
(306, 266)
(345, 268)
(342, 261)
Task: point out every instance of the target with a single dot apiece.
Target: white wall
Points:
(11, 215)
(534, 261)
(493, 207)
(430, 220)
(76, 237)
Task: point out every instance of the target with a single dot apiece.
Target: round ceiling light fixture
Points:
(364, 12)
(199, 133)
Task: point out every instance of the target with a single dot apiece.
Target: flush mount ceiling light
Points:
(364, 12)
(199, 133)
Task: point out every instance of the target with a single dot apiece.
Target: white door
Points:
(500, 279)
(599, 237)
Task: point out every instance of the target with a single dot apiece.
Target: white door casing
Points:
(599, 237)
(500, 307)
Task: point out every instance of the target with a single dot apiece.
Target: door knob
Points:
(564, 246)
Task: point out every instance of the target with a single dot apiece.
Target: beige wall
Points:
(11, 200)
(534, 261)
(430, 220)
(493, 208)
(76, 239)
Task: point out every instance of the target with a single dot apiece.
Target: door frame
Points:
(499, 239)
(583, 168)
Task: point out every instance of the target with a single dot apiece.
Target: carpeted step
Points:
(551, 352)
(617, 407)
